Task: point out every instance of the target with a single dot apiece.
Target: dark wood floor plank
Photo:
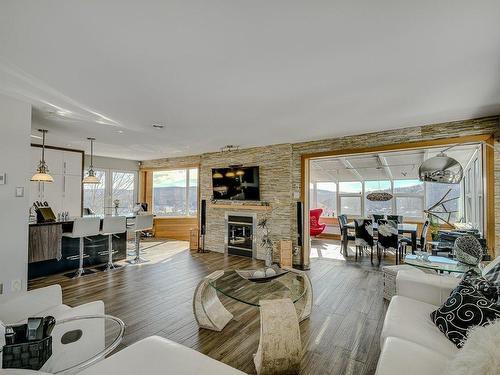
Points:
(341, 336)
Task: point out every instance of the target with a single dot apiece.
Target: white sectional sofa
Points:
(410, 342)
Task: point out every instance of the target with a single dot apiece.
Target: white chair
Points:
(18, 307)
(111, 226)
(141, 223)
(83, 227)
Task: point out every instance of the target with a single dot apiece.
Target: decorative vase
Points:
(468, 250)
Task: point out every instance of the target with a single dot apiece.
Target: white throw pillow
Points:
(480, 354)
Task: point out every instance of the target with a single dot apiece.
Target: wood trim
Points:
(489, 169)
(178, 228)
(490, 180)
(401, 146)
(241, 207)
(181, 166)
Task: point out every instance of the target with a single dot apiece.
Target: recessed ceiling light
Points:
(158, 126)
(120, 131)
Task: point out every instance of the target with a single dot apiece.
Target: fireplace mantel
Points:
(253, 207)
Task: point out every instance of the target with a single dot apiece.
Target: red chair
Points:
(315, 228)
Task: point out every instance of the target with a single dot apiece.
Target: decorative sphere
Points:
(270, 272)
(468, 250)
(259, 274)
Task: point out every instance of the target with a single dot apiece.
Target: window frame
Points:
(187, 194)
(108, 187)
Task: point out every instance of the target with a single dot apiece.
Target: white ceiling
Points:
(245, 72)
(394, 165)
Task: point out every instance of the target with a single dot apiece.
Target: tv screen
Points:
(239, 183)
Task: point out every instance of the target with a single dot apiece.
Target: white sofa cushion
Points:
(156, 355)
(409, 319)
(404, 357)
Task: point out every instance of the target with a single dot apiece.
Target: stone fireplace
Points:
(240, 234)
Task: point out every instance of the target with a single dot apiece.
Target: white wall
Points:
(15, 126)
(101, 162)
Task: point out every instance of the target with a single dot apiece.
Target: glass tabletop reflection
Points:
(232, 285)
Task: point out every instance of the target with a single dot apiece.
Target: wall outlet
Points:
(16, 285)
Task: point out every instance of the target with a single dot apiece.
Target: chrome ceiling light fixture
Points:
(379, 195)
(441, 169)
(42, 172)
(91, 177)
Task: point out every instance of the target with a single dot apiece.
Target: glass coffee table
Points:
(283, 303)
(78, 342)
(437, 263)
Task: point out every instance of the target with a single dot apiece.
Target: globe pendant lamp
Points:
(441, 169)
(42, 172)
(91, 177)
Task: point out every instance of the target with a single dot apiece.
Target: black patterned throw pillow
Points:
(474, 302)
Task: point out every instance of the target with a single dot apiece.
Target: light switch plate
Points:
(19, 191)
(3, 177)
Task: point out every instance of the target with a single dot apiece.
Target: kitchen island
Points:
(50, 253)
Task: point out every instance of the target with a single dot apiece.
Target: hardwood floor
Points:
(341, 336)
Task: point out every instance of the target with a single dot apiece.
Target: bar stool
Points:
(83, 227)
(111, 226)
(142, 222)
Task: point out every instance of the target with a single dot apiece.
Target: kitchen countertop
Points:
(72, 219)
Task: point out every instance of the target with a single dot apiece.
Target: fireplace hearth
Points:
(240, 234)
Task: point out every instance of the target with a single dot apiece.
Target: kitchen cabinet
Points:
(65, 193)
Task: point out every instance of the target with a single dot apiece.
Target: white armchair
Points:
(16, 308)
(42, 302)
(424, 287)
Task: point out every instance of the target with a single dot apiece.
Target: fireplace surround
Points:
(240, 234)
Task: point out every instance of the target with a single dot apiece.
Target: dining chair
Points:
(342, 223)
(397, 218)
(363, 236)
(388, 238)
(377, 217)
(421, 242)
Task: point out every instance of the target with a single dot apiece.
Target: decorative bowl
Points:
(262, 275)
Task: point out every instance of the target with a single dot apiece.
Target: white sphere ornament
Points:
(270, 272)
(259, 274)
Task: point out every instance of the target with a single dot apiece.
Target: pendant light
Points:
(91, 177)
(441, 169)
(379, 196)
(42, 174)
(217, 175)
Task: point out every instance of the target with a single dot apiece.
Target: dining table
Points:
(403, 228)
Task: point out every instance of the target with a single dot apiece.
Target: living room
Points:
(249, 188)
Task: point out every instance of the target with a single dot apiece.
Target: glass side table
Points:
(438, 264)
(81, 341)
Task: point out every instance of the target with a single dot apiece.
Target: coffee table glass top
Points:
(290, 285)
(437, 263)
(78, 342)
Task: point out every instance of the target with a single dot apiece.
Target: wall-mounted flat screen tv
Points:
(238, 183)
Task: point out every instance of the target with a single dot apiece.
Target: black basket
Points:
(30, 355)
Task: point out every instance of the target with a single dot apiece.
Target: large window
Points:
(409, 198)
(324, 195)
(350, 194)
(94, 195)
(175, 192)
(123, 191)
(115, 193)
